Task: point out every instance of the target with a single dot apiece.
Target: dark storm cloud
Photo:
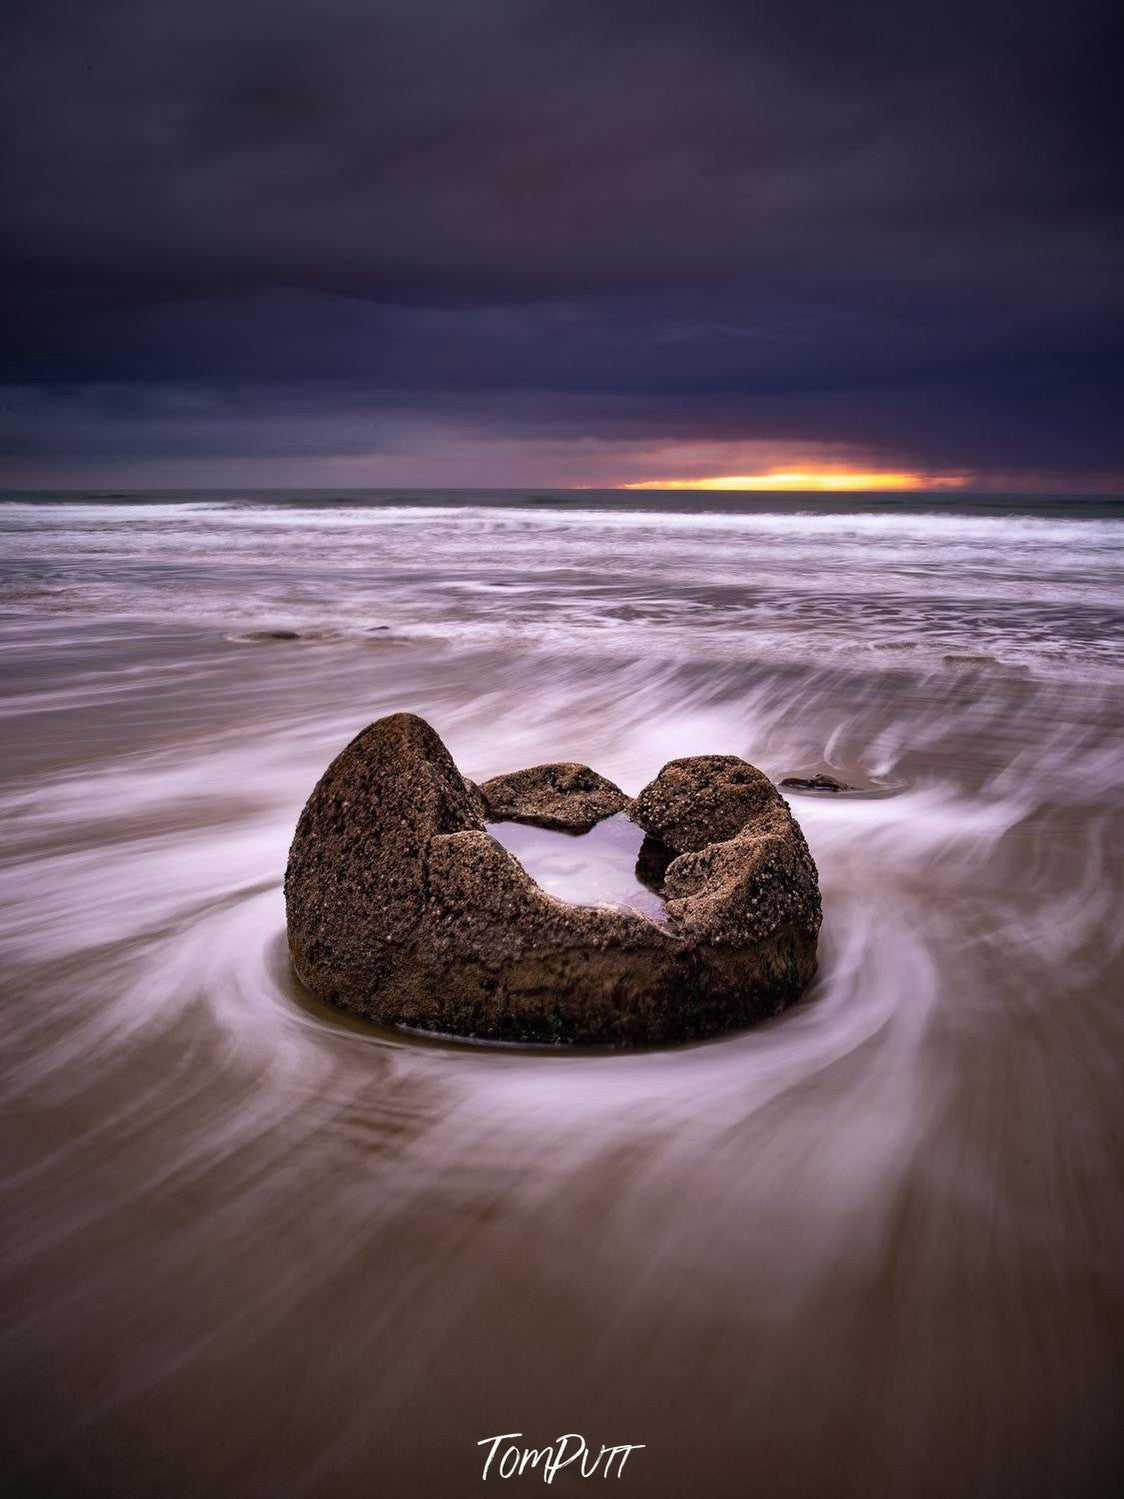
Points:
(891, 226)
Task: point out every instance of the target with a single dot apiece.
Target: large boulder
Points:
(402, 908)
(567, 796)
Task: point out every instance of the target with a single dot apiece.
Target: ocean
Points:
(873, 1246)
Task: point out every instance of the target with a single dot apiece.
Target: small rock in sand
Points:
(815, 783)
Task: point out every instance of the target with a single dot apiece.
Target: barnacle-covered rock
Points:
(402, 908)
(564, 795)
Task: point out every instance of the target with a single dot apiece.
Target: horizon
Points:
(632, 492)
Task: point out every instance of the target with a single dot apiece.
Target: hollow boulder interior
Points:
(614, 864)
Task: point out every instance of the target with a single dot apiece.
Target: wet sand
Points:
(871, 1248)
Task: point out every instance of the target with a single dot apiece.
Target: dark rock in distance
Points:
(815, 783)
(403, 909)
(972, 661)
(566, 795)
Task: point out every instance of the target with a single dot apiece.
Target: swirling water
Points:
(873, 1247)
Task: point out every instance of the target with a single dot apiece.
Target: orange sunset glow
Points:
(831, 479)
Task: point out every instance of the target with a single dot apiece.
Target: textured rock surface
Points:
(476, 797)
(565, 795)
(705, 799)
(355, 884)
(745, 888)
(402, 908)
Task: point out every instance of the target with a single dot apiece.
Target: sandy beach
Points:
(871, 1247)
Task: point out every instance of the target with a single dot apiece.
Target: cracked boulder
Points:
(567, 796)
(403, 909)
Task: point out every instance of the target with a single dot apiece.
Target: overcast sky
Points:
(548, 242)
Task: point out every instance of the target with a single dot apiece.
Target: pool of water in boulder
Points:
(614, 864)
